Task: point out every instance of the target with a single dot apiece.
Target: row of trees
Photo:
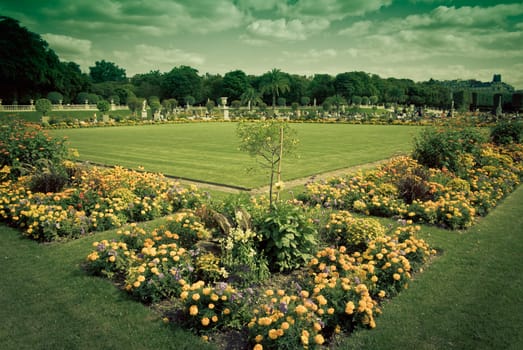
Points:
(29, 69)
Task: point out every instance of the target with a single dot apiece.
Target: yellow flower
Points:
(211, 306)
(273, 334)
(396, 276)
(136, 284)
(304, 337)
(141, 278)
(330, 310)
(258, 338)
(196, 297)
(318, 339)
(300, 309)
(214, 318)
(226, 311)
(285, 325)
(258, 347)
(382, 294)
(205, 321)
(193, 310)
(349, 308)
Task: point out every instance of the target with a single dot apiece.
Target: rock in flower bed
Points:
(95, 199)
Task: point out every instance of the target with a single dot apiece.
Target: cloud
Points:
(68, 46)
(310, 57)
(156, 58)
(287, 29)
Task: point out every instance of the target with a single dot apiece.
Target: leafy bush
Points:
(48, 177)
(23, 144)
(442, 148)
(354, 233)
(504, 133)
(288, 236)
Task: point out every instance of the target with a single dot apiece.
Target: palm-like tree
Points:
(251, 97)
(274, 82)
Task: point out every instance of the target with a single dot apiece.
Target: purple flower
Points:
(283, 307)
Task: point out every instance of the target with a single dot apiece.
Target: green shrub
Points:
(288, 236)
(23, 144)
(353, 233)
(48, 177)
(504, 133)
(442, 148)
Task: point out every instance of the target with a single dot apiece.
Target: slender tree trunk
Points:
(279, 160)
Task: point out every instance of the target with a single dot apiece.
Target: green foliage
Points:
(274, 82)
(354, 233)
(444, 148)
(189, 228)
(43, 105)
(103, 71)
(24, 144)
(103, 106)
(210, 106)
(288, 236)
(506, 132)
(55, 97)
(267, 141)
(48, 177)
(243, 262)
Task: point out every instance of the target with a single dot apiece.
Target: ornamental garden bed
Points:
(208, 264)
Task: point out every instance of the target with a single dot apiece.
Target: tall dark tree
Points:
(72, 81)
(234, 84)
(274, 82)
(321, 87)
(212, 87)
(181, 82)
(28, 67)
(106, 71)
(149, 84)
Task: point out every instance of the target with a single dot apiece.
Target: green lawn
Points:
(48, 302)
(470, 297)
(209, 151)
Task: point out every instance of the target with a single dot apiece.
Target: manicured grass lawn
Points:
(467, 298)
(48, 302)
(209, 151)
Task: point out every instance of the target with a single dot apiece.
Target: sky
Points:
(414, 39)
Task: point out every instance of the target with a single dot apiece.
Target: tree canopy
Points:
(103, 71)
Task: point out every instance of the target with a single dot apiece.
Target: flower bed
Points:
(339, 289)
(97, 199)
(408, 190)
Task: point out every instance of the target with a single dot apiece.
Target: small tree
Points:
(267, 143)
(103, 106)
(154, 103)
(210, 106)
(43, 105)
